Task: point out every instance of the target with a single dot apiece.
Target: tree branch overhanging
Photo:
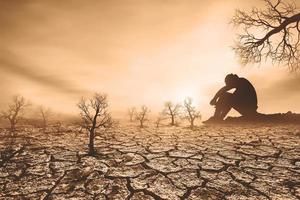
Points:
(272, 33)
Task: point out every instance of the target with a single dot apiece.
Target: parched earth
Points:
(166, 163)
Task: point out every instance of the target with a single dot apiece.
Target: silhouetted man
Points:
(243, 99)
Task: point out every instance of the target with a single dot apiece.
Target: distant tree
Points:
(45, 114)
(142, 115)
(58, 126)
(172, 111)
(15, 112)
(158, 120)
(190, 111)
(94, 114)
(78, 124)
(270, 33)
(131, 113)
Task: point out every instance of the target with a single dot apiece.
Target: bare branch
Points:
(280, 24)
(191, 113)
(142, 115)
(172, 110)
(94, 114)
(131, 113)
(45, 114)
(15, 111)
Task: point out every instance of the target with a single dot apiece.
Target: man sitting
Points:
(243, 99)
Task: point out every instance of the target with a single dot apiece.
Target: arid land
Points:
(210, 162)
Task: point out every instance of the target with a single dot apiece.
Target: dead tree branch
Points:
(142, 115)
(94, 114)
(15, 111)
(190, 111)
(272, 33)
(172, 110)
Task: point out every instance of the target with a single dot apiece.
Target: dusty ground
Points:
(168, 163)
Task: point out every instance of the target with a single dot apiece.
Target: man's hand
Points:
(213, 102)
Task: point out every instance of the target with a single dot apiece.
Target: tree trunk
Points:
(12, 127)
(192, 123)
(173, 121)
(141, 124)
(91, 143)
(131, 118)
(44, 126)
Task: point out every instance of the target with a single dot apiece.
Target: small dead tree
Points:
(190, 111)
(94, 114)
(15, 112)
(58, 125)
(172, 111)
(45, 114)
(158, 120)
(270, 33)
(131, 113)
(142, 115)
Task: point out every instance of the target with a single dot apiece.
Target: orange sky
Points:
(137, 51)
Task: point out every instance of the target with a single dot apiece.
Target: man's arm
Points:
(220, 92)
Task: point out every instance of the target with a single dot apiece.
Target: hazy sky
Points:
(137, 51)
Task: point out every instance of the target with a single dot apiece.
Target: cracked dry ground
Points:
(166, 163)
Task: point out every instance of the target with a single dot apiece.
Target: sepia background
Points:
(137, 51)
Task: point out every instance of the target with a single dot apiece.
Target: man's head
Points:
(231, 80)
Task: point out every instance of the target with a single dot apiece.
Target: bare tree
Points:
(58, 126)
(15, 111)
(45, 114)
(142, 115)
(131, 113)
(158, 120)
(270, 33)
(172, 110)
(94, 114)
(190, 111)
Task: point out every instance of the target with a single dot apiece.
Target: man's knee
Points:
(225, 99)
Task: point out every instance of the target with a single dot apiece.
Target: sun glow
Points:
(183, 93)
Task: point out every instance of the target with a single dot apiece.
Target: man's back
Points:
(246, 93)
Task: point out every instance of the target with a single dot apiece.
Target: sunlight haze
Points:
(137, 51)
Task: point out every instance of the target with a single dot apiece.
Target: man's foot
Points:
(212, 120)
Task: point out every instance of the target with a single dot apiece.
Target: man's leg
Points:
(223, 106)
(246, 110)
